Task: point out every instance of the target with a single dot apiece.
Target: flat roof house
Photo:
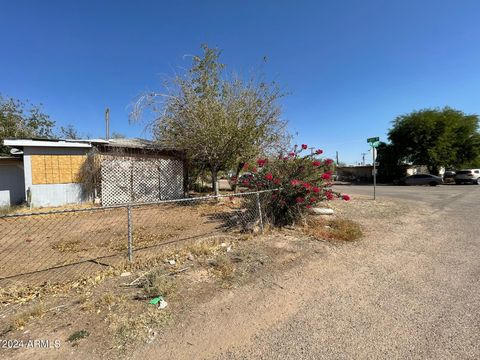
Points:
(47, 172)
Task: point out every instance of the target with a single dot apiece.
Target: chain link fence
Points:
(66, 245)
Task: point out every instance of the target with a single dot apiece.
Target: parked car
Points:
(469, 176)
(449, 176)
(421, 179)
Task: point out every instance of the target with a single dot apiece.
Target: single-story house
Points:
(129, 170)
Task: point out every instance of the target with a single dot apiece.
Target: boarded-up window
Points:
(56, 169)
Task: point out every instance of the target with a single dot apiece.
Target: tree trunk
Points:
(215, 182)
(237, 174)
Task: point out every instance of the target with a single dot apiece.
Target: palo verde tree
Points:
(220, 121)
(435, 138)
(22, 120)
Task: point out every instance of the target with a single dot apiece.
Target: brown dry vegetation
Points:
(332, 229)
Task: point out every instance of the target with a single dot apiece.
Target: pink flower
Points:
(318, 152)
(308, 206)
(294, 182)
(328, 161)
(245, 182)
(261, 162)
(300, 200)
(254, 170)
(269, 176)
(346, 197)
(326, 176)
(306, 185)
(316, 163)
(245, 166)
(291, 153)
(312, 200)
(304, 146)
(329, 195)
(316, 189)
(276, 181)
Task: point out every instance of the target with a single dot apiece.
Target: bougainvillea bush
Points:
(303, 181)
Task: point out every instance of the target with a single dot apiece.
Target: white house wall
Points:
(12, 190)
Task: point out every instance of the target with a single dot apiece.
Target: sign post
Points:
(374, 142)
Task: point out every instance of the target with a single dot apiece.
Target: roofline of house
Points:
(45, 143)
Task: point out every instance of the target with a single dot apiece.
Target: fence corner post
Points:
(260, 212)
(129, 245)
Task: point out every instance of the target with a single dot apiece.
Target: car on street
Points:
(449, 176)
(467, 176)
(421, 179)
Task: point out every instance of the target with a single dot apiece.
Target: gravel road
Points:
(409, 289)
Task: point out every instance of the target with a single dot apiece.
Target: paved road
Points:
(439, 197)
(409, 290)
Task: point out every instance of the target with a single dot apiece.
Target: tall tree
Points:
(19, 120)
(435, 138)
(219, 121)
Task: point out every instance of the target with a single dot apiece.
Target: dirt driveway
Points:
(409, 289)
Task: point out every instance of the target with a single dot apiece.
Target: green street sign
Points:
(373, 139)
(375, 144)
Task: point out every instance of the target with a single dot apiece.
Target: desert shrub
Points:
(302, 181)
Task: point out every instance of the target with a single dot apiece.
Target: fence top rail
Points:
(100, 208)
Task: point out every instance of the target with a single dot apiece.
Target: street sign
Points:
(374, 143)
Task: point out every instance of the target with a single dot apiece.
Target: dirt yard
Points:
(109, 315)
(59, 247)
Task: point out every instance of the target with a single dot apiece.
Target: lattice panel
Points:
(131, 180)
(171, 179)
(116, 181)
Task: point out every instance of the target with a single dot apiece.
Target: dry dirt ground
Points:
(408, 289)
(79, 243)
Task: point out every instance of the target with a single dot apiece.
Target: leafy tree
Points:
(22, 120)
(219, 121)
(435, 137)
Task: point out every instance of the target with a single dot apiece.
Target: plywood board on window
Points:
(56, 169)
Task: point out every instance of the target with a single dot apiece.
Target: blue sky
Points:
(349, 66)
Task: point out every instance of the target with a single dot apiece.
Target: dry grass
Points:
(131, 326)
(21, 320)
(223, 267)
(68, 246)
(157, 284)
(333, 229)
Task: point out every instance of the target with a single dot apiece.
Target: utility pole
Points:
(336, 154)
(311, 150)
(363, 158)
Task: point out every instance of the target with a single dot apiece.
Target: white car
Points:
(471, 176)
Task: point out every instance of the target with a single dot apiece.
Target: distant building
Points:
(357, 173)
(47, 172)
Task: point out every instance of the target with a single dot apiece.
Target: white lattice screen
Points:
(137, 180)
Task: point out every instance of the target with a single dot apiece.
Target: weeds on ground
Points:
(77, 336)
(21, 320)
(332, 229)
(130, 326)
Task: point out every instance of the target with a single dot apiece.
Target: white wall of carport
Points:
(51, 194)
(12, 190)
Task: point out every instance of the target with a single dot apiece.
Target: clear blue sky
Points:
(350, 66)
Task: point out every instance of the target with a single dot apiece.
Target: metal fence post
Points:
(130, 250)
(260, 212)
